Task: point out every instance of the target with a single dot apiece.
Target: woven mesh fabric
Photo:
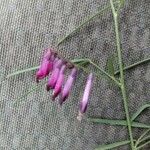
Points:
(27, 27)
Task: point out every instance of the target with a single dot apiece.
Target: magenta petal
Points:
(68, 85)
(83, 107)
(59, 82)
(47, 54)
(46, 65)
(58, 63)
(84, 102)
(55, 74)
(53, 78)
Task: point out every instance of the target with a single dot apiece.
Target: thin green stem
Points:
(139, 139)
(122, 80)
(82, 24)
(87, 70)
(105, 73)
(144, 139)
(148, 142)
(134, 65)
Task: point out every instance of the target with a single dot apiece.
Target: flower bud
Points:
(85, 98)
(68, 85)
(59, 82)
(46, 65)
(55, 73)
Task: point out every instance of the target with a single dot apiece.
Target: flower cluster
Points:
(55, 67)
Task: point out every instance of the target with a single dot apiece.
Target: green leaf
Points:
(80, 60)
(22, 71)
(100, 12)
(139, 111)
(110, 66)
(118, 122)
(113, 145)
(83, 64)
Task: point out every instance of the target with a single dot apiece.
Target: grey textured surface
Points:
(29, 26)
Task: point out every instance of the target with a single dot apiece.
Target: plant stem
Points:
(134, 65)
(122, 80)
(139, 139)
(83, 23)
(98, 75)
(105, 73)
(144, 139)
(148, 142)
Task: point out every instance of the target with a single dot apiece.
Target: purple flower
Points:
(55, 73)
(55, 60)
(68, 85)
(46, 65)
(59, 82)
(85, 98)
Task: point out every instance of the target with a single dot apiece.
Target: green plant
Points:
(144, 139)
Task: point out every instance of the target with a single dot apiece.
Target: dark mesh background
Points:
(29, 26)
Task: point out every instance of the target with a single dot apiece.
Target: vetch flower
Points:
(55, 73)
(59, 82)
(85, 98)
(46, 65)
(68, 85)
(55, 60)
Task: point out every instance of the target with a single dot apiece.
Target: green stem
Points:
(122, 80)
(144, 139)
(105, 73)
(148, 142)
(134, 65)
(82, 24)
(88, 71)
(140, 138)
